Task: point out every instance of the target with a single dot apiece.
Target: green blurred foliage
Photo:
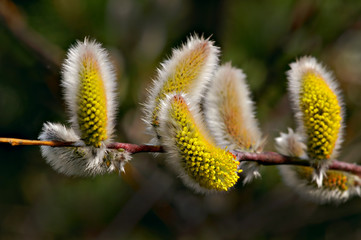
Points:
(149, 202)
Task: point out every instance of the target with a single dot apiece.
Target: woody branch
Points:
(263, 158)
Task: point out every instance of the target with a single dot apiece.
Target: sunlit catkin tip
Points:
(188, 70)
(318, 107)
(89, 85)
(229, 110)
(337, 186)
(199, 162)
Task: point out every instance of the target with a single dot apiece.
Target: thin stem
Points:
(264, 158)
(18, 142)
(272, 158)
(134, 148)
(129, 147)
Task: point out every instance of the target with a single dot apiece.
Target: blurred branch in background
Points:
(11, 17)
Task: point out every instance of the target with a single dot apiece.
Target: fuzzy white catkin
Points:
(318, 108)
(168, 128)
(295, 77)
(319, 194)
(291, 144)
(74, 161)
(230, 116)
(87, 57)
(183, 75)
(192, 153)
(71, 81)
(80, 160)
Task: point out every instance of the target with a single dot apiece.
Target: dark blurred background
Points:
(148, 201)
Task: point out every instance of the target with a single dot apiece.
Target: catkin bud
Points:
(291, 144)
(336, 187)
(79, 160)
(318, 108)
(192, 154)
(188, 70)
(229, 113)
(89, 87)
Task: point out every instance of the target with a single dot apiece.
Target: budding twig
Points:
(264, 158)
(129, 147)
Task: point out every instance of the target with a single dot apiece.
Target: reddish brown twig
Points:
(272, 158)
(268, 158)
(264, 158)
(348, 167)
(134, 148)
(129, 147)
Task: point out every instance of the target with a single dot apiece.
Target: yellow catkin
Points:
(184, 75)
(333, 180)
(92, 111)
(321, 116)
(232, 113)
(211, 167)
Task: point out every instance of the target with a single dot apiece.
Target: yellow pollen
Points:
(92, 111)
(212, 167)
(322, 112)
